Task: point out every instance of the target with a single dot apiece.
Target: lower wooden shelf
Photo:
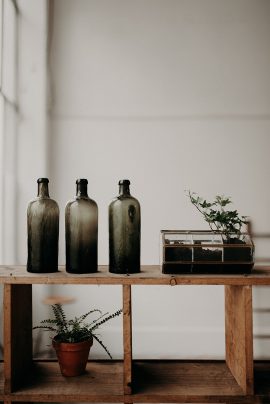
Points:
(195, 382)
(155, 381)
(102, 382)
(184, 381)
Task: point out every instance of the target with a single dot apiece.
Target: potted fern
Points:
(74, 337)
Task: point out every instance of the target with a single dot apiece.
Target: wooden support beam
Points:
(239, 335)
(17, 335)
(127, 330)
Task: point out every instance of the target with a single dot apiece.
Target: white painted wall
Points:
(32, 98)
(173, 95)
(32, 134)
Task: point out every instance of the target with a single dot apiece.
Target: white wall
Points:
(32, 134)
(173, 95)
(32, 100)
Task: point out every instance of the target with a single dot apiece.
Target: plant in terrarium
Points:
(219, 217)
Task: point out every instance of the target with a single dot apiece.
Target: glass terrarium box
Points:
(205, 252)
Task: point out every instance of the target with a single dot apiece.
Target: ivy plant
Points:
(218, 216)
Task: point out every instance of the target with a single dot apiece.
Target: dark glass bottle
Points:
(42, 231)
(124, 232)
(81, 232)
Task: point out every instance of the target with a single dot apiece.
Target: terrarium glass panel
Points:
(190, 251)
(207, 247)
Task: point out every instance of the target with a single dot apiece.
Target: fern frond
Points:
(103, 346)
(49, 321)
(60, 316)
(75, 330)
(83, 317)
(117, 313)
(61, 312)
(56, 313)
(97, 319)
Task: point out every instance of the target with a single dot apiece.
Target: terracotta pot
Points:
(72, 357)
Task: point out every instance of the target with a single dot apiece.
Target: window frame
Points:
(8, 124)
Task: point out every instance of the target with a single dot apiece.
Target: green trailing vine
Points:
(218, 216)
(77, 329)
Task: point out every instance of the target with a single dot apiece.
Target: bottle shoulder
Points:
(124, 200)
(42, 201)
(81, 201)
(42, 206)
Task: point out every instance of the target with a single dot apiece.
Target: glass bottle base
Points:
(41, 271)
(124, 271)
(81, 271)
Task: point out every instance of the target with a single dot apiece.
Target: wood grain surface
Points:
(129, 381)
(149, 275)
(239, 335)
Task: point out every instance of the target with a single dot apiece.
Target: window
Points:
(8, 123)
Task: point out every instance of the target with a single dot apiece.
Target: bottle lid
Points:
(82, 181)
(45, 180)
(124, 182)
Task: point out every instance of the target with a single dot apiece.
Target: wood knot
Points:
(173, 282)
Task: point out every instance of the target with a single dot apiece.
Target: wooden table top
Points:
(149, 275)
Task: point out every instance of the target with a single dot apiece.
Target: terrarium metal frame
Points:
(205, 252)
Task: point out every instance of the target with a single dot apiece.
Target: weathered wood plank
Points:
(156, 381)
(102, 382)
(239, 335)
(1, 381)
(17, 335)
(149, 275)
(185, 381)
(127, 339)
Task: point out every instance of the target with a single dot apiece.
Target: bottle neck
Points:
(82, 190)
(124, 189)
(43, 190)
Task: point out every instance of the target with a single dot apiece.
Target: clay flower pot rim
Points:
(72, 346)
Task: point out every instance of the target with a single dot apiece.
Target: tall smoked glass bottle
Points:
(42, 231)
(124, 232)
(81, 232)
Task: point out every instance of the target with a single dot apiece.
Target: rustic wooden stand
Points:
(235, 380)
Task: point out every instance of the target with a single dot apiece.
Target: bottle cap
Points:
(124, 182)
(81, 181)
(45, 180)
